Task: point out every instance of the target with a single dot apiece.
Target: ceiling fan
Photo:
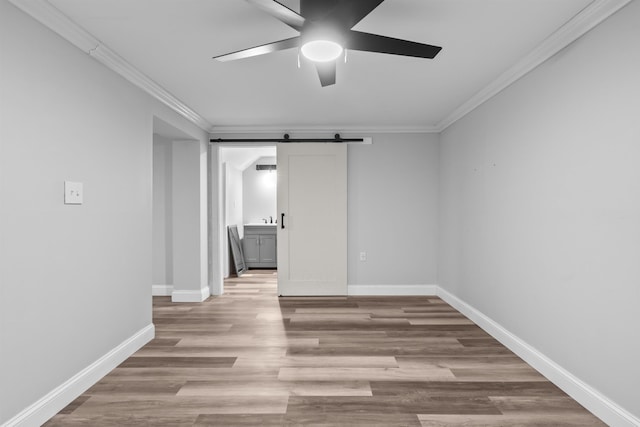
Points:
(325, 32)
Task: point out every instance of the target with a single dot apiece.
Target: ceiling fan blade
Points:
(260, 50)
(327, 73)
(280, 12)
(382, 44)
(350, 12)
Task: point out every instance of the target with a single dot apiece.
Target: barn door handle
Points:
(282, 221)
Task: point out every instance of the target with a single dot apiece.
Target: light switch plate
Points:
(73, 193)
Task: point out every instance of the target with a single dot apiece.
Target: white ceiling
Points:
(172, 42)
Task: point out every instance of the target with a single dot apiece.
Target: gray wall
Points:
(392, 203)
(162, 211)
(540, 208)
(259, 190)
(75, 280)
(189, 212)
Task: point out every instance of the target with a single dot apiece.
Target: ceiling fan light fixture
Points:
(321, 50)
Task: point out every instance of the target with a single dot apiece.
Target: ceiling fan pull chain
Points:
(298, 58)
(345, 55)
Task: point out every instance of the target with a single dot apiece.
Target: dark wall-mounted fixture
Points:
(265, 167)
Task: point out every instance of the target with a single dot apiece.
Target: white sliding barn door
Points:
(312, 219)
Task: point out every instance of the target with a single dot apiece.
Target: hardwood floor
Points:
(249, 358)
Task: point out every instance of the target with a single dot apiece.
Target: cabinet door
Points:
(268, 249)
(251, 248)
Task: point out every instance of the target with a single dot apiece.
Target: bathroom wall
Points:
(259, 192)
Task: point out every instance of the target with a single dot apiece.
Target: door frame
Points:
(217, 215)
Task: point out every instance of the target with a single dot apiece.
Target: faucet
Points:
(265, 220)
(270, 220)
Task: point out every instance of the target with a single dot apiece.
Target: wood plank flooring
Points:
(249, 358)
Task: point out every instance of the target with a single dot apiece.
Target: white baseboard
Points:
(392, 290)
(598, 404)
(54, 401)
(190, 296)
(161, 290)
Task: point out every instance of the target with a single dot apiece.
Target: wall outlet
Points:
(363, 256)
(73, 193)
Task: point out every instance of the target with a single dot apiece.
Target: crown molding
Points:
(55, 20)
(576, 27)
(306, 130)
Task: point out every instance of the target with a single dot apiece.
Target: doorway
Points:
(248, 184)
(175, 203)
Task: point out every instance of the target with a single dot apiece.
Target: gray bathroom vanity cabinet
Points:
(259, 245)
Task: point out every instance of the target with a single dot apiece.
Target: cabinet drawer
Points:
(260, 229)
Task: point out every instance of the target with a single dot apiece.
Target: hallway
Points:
(249, 358)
